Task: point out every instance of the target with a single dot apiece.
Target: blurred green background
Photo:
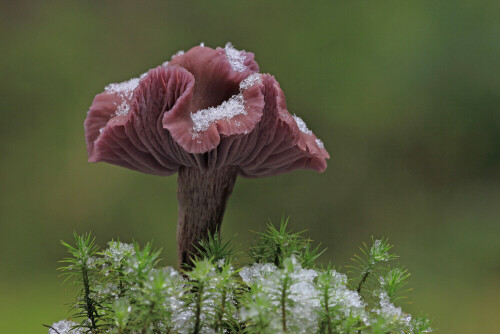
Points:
(405, 95)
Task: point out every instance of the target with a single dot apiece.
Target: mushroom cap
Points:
(206, 108)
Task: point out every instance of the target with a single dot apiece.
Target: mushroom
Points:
(208, 115)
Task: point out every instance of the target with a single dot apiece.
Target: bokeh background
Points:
(405, 94)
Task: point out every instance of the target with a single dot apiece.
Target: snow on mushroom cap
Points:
(124, 90)
(235, 57)
(227, 110)
(205, 108)
(302, 125)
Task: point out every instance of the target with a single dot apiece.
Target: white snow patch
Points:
(301, 296)
(235, 58)
(125, 90)
(122, 109)
(251, 80)
(228, 109)
(391, 312)
(202, 119)
(302, 125)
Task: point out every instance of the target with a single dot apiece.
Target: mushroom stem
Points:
(202, 197)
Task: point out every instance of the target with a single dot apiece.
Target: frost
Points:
(304, 299)
(117, 251)
(122, 109)
(184, 317)
(220, 263)
(235, 58)
(228, 109)
(257, 272)
(64, 327)
(391, 312)
(108, 289)
(178, 53)
(291, 285)
(125, 90)
(378, 252)
(319, 143)
(302, 125)
(347, 301)
(90, 263)
(235, 105)
(251, 80)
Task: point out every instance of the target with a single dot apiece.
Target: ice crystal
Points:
(291, 285)
(90, 263)
(251, 80)
(379, 251)
(389, 311)
(64, 327)
(228, 109)
(235, 58)
(319, 143)
(117, 251)
(302, 125)
(178, 53)
(256, 272)
(235, 105)
(124, 90)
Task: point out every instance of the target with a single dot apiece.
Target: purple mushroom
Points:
(208, 115)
